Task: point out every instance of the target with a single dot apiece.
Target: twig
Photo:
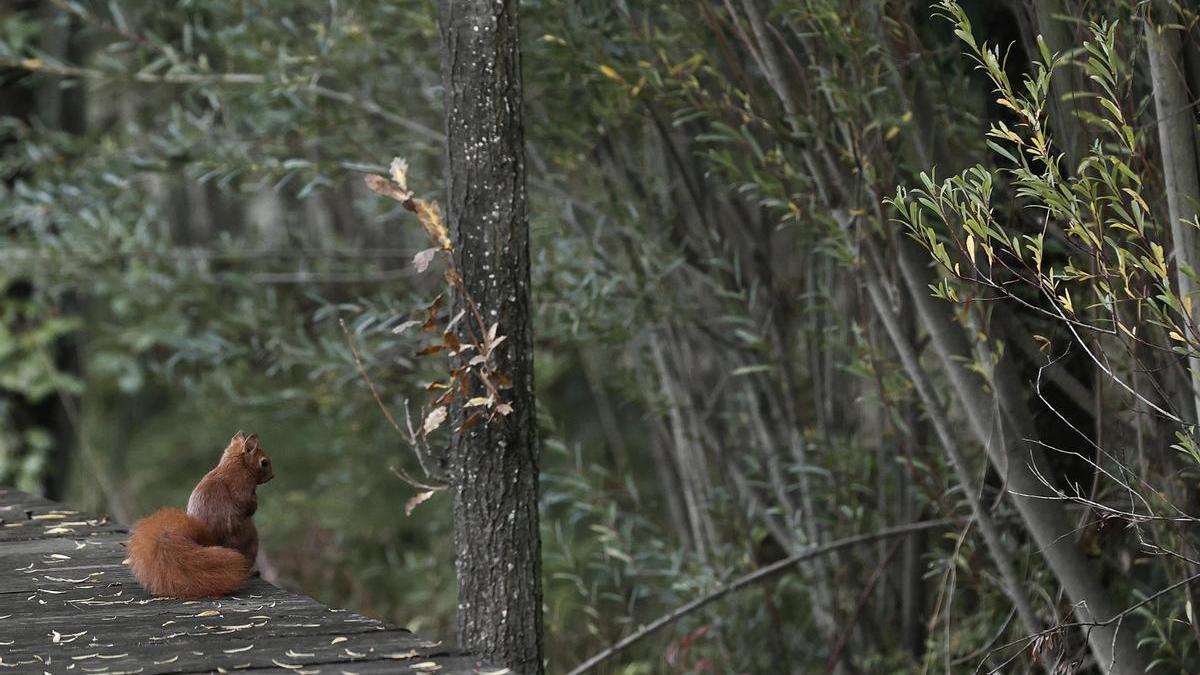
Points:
(410, 437)
(762, 574)
(63, 70)
(835, 656)
(1115, 618)
(362, 370)
(417, 443)
(330, 277)
(1012, 614)
(373, 108)
(365, 104)
(403, 475)
(19, 254)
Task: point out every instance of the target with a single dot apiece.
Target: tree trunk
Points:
(65, 108)
(1177, 143)
(494, 465)
(1051, 20)
(55, 107)
(934, 409)
(1114, 644)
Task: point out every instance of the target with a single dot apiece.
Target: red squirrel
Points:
(210, 550)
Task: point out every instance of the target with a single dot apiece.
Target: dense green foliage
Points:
(723, 198)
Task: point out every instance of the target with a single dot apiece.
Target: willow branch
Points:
(762, 574)
(365, 104)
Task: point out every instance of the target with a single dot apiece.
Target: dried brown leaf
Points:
(405, 326)
(431, 315)
(415, 501)
(430, 216)
(399, 171)
(421, 260)
(472, 420)
(434, 419)
(387, 188)
(457, 317)
(496, 343)
(431, 349)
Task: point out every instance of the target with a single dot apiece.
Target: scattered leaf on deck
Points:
(238, 649)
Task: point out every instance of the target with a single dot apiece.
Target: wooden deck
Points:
(69, 605)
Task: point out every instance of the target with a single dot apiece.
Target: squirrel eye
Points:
(264, 463)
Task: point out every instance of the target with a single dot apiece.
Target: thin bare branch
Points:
(762, 574)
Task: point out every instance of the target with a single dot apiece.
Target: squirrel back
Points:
(170, 554)
(225, 502)
(209, 550)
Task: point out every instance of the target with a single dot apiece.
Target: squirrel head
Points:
(247, 451)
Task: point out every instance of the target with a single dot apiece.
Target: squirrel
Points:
(209, 550)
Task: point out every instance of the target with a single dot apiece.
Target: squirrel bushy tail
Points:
(169, 555)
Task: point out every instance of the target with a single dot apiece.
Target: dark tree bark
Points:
(493, 465)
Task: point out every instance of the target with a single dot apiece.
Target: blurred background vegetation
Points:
(183, 223)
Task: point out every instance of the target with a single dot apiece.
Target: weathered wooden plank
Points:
(60, 563)
(127, 604)
(24, 516)
(447, 665)
(115, 650)
(68, 604)
(9, 496)
(19, 552)
(442, 664)
(102, 543)
(26, 532)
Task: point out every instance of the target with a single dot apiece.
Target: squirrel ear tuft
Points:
(237, 438)
(251, 443)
